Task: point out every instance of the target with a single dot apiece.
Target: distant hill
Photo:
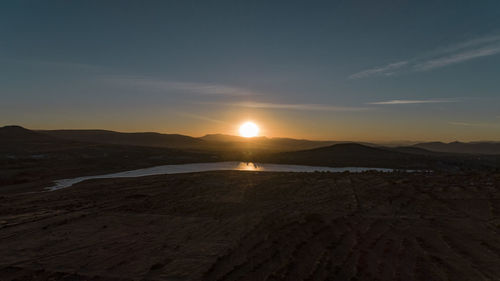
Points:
(358, 155)
(351, 154)
(32, 157)
(136, 139)
(415, 150)
(16, 139)
(18, 133)
(88, 148)
(264, 143)
(462, 147)
(213, 142)
(226, 138)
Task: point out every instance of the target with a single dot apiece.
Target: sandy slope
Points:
(256, 226)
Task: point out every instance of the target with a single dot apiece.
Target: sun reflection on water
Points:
(248, 166)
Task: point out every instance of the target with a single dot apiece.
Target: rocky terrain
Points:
(257, 226)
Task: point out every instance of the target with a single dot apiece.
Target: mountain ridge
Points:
(484, 147)
(225, 141)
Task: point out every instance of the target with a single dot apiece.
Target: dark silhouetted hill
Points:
(351, 154)
(462, 147)
(16, 139)
(357, 155)
(31, 157)
(18, 133)
(136, 139)
(415, 150)
(263, 143)
(113, 149)
(227, 138)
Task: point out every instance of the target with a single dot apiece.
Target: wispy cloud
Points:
(456, 58)
(382, 70)
(442, 57)
(190, 87)
(467, 124)
(481, 41)
(307, 107)
(201, 117)
(210, 89)
(392, 102)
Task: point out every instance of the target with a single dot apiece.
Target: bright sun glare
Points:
(249, 129)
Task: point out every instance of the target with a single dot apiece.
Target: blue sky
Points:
(351, 70)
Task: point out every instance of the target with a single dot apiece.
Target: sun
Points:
(249, 129)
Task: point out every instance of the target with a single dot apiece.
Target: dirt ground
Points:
(257, 226)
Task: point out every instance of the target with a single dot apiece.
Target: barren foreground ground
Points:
(256, 226)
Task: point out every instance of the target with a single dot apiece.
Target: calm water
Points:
(216, 166)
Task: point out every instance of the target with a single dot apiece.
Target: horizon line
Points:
(264, 136)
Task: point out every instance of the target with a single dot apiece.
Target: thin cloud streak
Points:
(384, 70)
(462, 52)
(457, 58)
(467, 44)
(395, 102)
(210, 89)
(466, 124)
(201, 117)
(306, 107)
(190, 87)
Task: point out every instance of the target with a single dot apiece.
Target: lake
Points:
(215, 166)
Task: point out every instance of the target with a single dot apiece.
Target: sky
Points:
(339, 70)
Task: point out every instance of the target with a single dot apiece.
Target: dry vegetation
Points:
(257, 226)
